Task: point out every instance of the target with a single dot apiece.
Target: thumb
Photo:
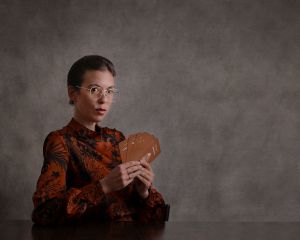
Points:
(148, 156)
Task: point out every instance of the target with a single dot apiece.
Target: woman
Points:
(82, 176)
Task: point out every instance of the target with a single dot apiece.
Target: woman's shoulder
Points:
(60, 134)
(55, 135)
(53, 141)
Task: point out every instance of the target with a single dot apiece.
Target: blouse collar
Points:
(81, 130)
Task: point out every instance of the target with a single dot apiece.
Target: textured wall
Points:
(216, 81)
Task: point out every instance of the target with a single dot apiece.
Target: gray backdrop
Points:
(216, 81)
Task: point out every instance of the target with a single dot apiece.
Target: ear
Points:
(72, 93)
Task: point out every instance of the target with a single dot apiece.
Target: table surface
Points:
(25, 229)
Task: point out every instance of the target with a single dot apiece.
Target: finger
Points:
(147, 176)
(147, 172)
(147, 157)
(144, 158)
(126, 174)
(143, 180)
(134, 174)
(130, 164)
(146, 165)
(133, 168)
(126, 180)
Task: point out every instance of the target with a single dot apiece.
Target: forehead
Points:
(97, 77)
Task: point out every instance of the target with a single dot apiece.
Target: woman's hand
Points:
(144, 179)
(120, 176)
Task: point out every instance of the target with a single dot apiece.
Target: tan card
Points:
(131, 146)
(123, 150)
(138, 145)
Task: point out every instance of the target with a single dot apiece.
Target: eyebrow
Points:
(100, 86)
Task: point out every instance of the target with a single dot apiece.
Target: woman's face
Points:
(86, 104)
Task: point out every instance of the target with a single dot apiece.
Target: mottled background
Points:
(216, 81)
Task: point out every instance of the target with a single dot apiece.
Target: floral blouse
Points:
(68, 188)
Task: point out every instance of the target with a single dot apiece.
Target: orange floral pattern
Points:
(68, 188)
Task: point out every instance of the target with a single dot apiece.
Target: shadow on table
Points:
(99, 230)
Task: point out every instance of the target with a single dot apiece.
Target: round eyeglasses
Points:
(97, 92)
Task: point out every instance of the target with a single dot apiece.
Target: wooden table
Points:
(25, 229)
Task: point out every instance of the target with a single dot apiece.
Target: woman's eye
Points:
(94, 90)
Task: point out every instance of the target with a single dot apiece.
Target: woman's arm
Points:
(53, 203)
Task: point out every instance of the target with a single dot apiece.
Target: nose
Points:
(104, 98)
(101, 97)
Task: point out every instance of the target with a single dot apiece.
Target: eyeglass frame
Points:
(117, 91)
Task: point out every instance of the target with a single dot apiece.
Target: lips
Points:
(101, 109)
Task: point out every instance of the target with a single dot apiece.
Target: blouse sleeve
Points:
(53, 202)
(152, 208)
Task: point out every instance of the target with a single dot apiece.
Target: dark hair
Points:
(90, 62)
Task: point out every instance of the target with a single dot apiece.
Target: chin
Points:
(99, 118)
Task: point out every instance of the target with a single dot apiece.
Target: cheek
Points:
(86, 103)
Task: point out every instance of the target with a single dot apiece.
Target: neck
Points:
(87, 124)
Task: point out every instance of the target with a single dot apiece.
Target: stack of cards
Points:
(137, 145)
